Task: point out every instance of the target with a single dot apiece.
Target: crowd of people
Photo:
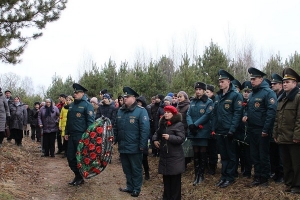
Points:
(252, 125)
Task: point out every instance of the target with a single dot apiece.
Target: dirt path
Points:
(25, 175)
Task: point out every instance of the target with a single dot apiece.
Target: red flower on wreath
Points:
(95, 170)
(109, 127)
(169, 123)
(98, 149)
(244, 104)
(84, 152)
(93, 156)
(86, 142)
(87, 161)
(80, 141)
(200, 126)
(91, 147)
(111, 138)
(79, 165)
(99, 140)
(104, 164)
(93, 134)
(99, 130)
(85, 174)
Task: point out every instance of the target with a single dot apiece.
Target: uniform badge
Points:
(227, 106)
(240, 103)
(272, 101)
(78, 114)
(202, 111)
(257, 104)
(145, 118)
(131, 121)
(91, 113)
(210, 107)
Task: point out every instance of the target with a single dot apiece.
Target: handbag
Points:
(187, 148)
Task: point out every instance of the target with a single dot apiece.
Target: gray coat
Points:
(50, 123)
(4, 112)
(18, 117)
(172, 161)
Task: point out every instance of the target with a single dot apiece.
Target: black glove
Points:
(230, 135)
(193, 128)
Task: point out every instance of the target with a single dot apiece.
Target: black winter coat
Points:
(108, 111)
(172, 161)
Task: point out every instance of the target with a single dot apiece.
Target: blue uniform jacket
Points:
(131, 129)
(199, 113)
(261, 108)
(80, 116)
(227, 111)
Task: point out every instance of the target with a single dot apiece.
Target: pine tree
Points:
(274, 65)
(18, 17)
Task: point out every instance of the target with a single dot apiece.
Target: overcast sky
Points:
(126, 30)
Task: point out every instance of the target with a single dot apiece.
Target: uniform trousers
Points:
(291, 164)
(133, 170)
(227, 150)
(73, 142)
(259, 152)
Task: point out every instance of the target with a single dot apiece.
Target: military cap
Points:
(255, 72)
(268, 81)
(129, 92)
(210, 87)
(246, 85)
(225, 75)
(276, 78)
(236, 83)
(290, 74)
(78, 88)
(200, 85)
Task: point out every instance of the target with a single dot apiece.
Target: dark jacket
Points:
(132, 129)
(182, 108)
(107, 110)
(160, 112)
(172, 161)
(80, 116)
(34, 117)
(18, 117)
(199, 113)
(227, 111)
(261, 109)
(153, 111)
(287, 121)
(50, 123)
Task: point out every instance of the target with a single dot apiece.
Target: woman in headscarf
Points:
(48, 118)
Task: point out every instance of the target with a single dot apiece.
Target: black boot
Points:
(196, 168)
(147, 176)
(202, 166)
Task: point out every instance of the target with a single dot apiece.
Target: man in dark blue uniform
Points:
(260, 115)
(226, 117)
(131, 130)
(275, 160)
(80, 117)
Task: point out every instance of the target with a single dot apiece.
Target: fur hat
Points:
(171, 109)
(94, 100)
(210, 87)
(200, 85)
(168, 98)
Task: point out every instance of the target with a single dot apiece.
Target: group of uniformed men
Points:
(266, 119)
(251, 119)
